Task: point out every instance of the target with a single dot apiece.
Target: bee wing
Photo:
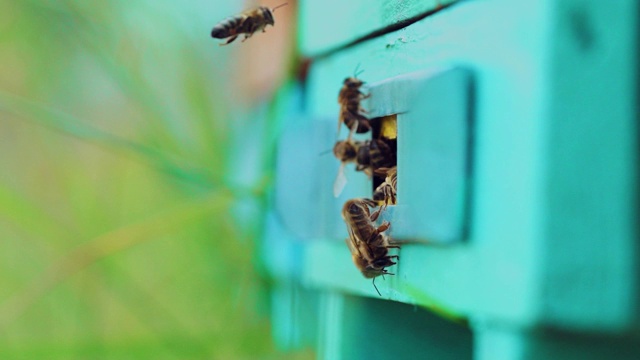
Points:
(353, 129)
(364, 249)
(352, 247)
(341, 181)
(353, 243)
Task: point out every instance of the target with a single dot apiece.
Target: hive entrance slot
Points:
(384, 133)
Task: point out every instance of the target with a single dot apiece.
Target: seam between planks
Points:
(383, 31)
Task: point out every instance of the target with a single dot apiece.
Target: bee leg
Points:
(367, 170)
(370, 203)
(374, 216)
(384, 204)
(230, 40)
(246, 37)
(381, 172)
(394, 256)
(384, 227)
(390, 197)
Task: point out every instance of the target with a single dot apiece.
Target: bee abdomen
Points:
(227, 27)
(379, 153)
(350, 117)
(361, 219)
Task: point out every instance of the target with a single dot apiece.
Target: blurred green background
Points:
(119, 229)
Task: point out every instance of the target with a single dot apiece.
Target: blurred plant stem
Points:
(179, 168)
(108, 244)
(123, 226)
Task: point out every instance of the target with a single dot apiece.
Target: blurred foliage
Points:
(117, 239)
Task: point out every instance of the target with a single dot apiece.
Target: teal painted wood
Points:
(296, 310)
(364, 328)
(449, 292)
(502, 342)
(523, 263)
(500, 275)
(590, 188)
(330, 23)
(552, 241)
(434, 157)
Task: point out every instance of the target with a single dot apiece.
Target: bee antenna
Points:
(325, 152)
(279, 6)
(356, 72)
(374, 285)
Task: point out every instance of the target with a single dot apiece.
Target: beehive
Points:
(517, 181)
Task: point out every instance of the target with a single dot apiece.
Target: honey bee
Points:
(360, 220)
(372, 259)
(350, 109)
(246, 23)
(368, 245)
(368, 156)
(386, 192)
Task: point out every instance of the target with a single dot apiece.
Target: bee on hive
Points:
(368, 155)
(367, 242)
(247, 23)
(351, 110)
(386, 192)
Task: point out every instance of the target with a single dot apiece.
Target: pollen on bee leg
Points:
(384, 227)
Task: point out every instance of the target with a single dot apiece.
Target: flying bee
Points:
(350, 109)
(368, 156)
(386, 192)
(368, 245)
(247, 23)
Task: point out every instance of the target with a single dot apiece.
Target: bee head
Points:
(268, 15)
(349, 208)
(353, 82)
(371, 272)
(344, 151)
(378, 195)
